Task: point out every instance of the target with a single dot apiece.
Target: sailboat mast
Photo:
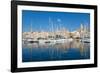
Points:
(31, 30)
(50, 23)
(31, 27)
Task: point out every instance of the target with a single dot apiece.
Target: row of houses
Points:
(62, 33)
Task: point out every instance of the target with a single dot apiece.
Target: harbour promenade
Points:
(62, 35)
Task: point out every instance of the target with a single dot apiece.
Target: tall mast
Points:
(31, 30)
(51, 24)
(31, 27)
(59, 23)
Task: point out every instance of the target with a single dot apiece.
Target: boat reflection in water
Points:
(69, 50)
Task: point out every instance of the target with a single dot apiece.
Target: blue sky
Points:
(40, 20)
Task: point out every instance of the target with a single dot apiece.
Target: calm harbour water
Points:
(74, 50)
